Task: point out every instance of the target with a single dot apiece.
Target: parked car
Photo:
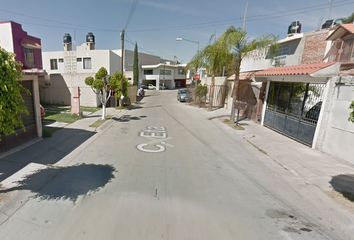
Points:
(182, 94)
(144, 87)
(151, 87)
(163, 87)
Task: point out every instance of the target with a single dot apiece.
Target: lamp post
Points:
(183, 39)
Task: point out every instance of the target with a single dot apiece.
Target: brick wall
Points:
(315, 46)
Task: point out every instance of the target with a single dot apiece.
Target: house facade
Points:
(28, 51)
(69, 68)
(163, 75)
(309, 102)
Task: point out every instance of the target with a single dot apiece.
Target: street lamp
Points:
(183, 39)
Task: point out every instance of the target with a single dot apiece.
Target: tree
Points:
(11, 102)
(115, 83)
(136, 66)
(213, 57)
(349, 19)
(351, 115)
(103, 87)
(239, 44)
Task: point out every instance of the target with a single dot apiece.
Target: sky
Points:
(155, 24)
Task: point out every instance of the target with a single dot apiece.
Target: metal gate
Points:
(11, 141)
(293, 109)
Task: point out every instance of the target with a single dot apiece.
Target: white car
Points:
(151, 87)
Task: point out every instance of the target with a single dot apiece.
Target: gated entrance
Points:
(293, 109)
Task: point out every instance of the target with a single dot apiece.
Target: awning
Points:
(30, 44)
(315, 72)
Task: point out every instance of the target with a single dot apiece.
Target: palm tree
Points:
(349, 19)
(213, 57)
(239, 44)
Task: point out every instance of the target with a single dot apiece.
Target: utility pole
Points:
(244, 19)
(122, 69)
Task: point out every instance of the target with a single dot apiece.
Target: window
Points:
(79, 59)
(181, 72)
(87, 63)
(53, 64)
(148, 72)
(280, 59)
(61, 60)
(165, 72)
(29, 57)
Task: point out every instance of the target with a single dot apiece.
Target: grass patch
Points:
(226, 120)
(62, 117)
(121, 107)
(89, 109)
(348, 196)
(238, 127)
(100, 122)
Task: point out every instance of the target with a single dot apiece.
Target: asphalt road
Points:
(164, 171)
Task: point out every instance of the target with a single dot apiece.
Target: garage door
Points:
(13, 140)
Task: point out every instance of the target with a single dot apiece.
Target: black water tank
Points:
(295, 27)
(90, 38)
(67, 38)
(328, 24)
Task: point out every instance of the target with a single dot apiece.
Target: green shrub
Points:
(98, 84)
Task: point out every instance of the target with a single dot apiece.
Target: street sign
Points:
(196, 77)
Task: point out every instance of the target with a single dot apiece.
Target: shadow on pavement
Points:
(48, 151)
(67, 183)
(344, 184)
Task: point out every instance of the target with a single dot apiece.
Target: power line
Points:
(132, 43)
(251, 18)
(131, 13)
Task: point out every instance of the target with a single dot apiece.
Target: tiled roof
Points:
(341, 30)
(243, 76)
(349, 27)
(26, 42)
(294, 70)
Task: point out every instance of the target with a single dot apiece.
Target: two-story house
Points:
(69, 68)
(28, 51)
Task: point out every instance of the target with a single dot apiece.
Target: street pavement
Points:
(169, 170)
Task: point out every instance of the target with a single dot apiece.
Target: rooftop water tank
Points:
(295, 27)
(90, 38)
(328, 24)
(67, 38)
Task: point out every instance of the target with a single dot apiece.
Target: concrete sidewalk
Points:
(308, 165)
(59, 149)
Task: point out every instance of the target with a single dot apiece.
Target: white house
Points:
(163, 74)
(69, 68)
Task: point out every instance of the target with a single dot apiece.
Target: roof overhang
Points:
(34, 71)
(161, 65)
(291, 37)
(30, 44)
(315, 73)
(341, 31)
